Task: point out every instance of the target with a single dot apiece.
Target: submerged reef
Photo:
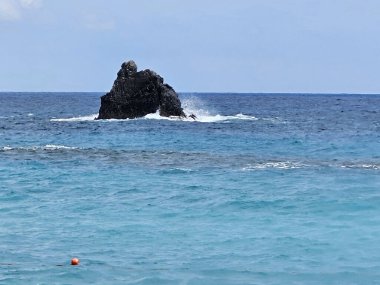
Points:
(138, 93)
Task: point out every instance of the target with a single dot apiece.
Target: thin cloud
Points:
(30, 3)
(9, 10)
(12, 10)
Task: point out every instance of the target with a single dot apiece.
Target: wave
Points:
(204, 114)
(284, 165)
(193, 105)
(156, 116)
(201, 118)
(35, 148)
(55, 147)
(76, 119)
(275, 165)
(178, 161)
(362, 166)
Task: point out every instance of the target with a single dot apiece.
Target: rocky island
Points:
(138, 93)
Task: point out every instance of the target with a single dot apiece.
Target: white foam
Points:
(221, 118)
(370, 166)
(76, 119)
(275, 165)
(156, 116)
(192, 105)
(205, 114)
(34, 148)
(201, 118)
(363, 166)
(56, 147)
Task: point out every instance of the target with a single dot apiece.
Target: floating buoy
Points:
(75, 261)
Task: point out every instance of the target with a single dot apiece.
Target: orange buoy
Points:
(75, 261)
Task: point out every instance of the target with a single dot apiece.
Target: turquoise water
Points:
(262, 189)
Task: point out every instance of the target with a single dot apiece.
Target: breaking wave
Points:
(35, 148)
(76, 119)
(204, 114)
(190, 106)
(275, 165)
(285, 165)
(202, 118)
(362, 166)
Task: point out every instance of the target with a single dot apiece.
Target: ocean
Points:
(260, 189)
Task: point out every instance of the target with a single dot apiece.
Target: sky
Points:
(281, 46)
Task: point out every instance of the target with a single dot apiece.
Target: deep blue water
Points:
(263, 189)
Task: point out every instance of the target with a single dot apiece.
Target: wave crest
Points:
(275, 165)
(35, 148)
(190, 105)
(76, 119)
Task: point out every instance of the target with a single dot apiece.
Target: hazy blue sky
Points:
(196, 45)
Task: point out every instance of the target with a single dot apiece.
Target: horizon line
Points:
(211, 92)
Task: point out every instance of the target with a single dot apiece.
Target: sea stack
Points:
(138, 93)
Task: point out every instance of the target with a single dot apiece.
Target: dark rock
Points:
(138, 93)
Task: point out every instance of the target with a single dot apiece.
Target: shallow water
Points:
(261, 189)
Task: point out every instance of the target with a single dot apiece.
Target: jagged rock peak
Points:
(129, 66)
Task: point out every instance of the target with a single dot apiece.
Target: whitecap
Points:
(36, 148)
(56, 147)
(192, 105)
(275, 165)
(222, 118)
(5, 148)
(156, 116)
(202, 118)
(205, 114)
(362, 166)
(76, 119)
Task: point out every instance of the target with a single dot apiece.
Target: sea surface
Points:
(261, 189)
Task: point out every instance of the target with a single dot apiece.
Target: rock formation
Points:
(138, 93)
